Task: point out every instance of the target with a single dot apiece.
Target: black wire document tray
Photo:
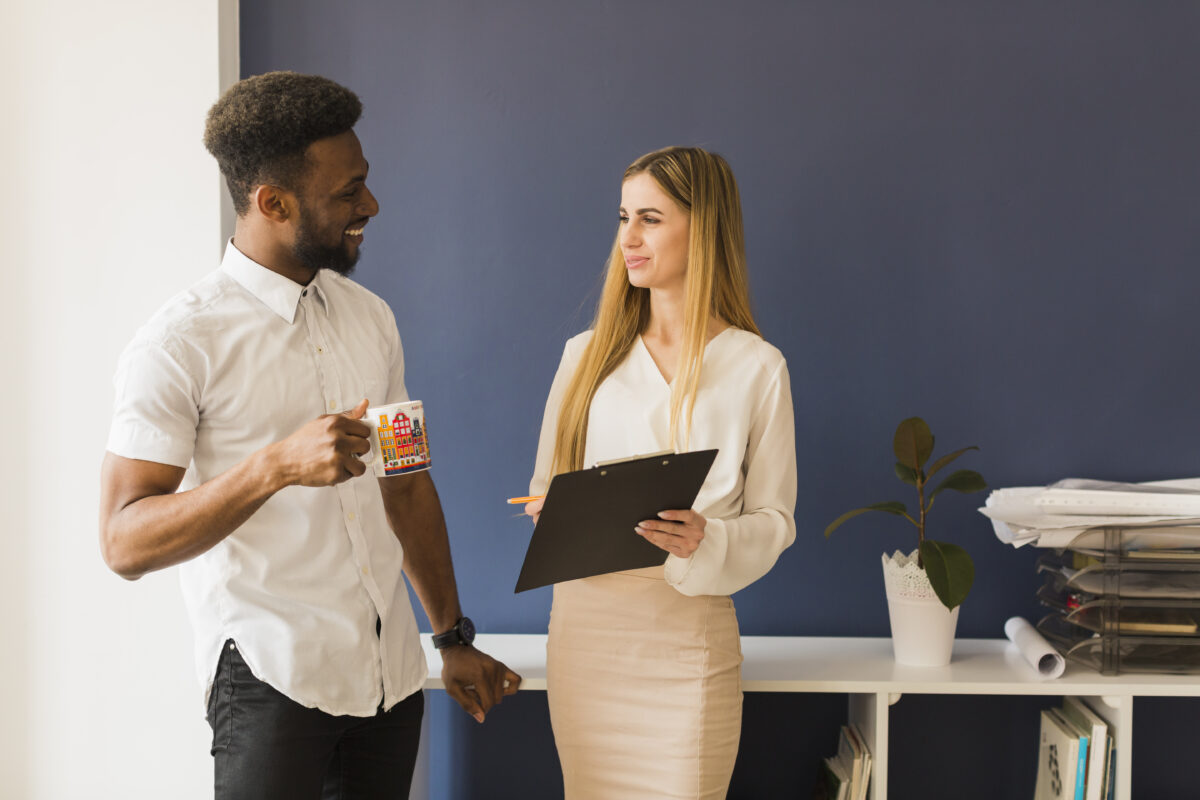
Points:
(586, 525)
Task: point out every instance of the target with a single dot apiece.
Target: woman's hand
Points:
(677, 532)
(534, 508)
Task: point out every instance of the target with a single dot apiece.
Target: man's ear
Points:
(273, 202)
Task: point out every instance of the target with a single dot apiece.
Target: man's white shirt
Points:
(237, 362)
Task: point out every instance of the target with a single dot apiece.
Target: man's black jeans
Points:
(268, 747)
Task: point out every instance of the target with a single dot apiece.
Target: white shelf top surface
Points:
(836, 664)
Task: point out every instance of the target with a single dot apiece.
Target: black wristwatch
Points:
(463, 632)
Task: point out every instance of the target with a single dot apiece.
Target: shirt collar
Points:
(280, 294)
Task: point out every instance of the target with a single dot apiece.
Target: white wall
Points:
(111, 206)
(14, 605)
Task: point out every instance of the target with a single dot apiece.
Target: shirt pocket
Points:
(375, 390)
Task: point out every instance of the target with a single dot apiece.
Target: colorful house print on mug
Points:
(399, 438)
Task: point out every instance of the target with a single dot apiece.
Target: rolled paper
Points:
(1034, 648)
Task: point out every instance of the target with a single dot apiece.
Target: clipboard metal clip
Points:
(638, 457)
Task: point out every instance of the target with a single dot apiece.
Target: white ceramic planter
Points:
(922, 628)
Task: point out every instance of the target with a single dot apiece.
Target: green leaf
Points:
(963, 480)
(951, 571)
(913, 442)
(944, 460)
(899, 509)
(906, 474)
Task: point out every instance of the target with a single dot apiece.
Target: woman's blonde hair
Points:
(716, 286)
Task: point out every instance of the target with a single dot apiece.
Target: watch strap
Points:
(452, 637)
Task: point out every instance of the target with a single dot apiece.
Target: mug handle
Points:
(372, 455)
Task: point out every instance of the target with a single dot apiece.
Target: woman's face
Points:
(653, 235)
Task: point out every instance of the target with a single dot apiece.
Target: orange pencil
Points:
(512, 501)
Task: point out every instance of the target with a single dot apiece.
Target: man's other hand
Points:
(476, 680)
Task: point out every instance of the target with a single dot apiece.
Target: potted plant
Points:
(926, 587)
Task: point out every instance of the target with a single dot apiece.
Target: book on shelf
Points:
(846, 774)
(1062, 759)
(1084, 718)
(1108, 786)
(1110, 768)
(832, 781)
(1081, 761)
(850, 757)
(855, 758)
(865, 783)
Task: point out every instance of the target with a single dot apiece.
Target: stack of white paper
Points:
(1160, 514)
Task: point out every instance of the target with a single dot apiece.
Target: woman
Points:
(644, 667)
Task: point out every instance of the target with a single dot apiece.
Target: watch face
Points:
(467, 629)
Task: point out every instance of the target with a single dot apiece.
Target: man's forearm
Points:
(159, 530)
(416, 517)
(145, 525)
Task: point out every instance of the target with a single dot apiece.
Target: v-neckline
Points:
(654, 364)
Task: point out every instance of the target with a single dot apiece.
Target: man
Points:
(232, 453)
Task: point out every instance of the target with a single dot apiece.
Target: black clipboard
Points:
(586, 525)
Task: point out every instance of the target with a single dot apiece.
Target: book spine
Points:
(1097, 764)
(1081, 768)
(1110, 778)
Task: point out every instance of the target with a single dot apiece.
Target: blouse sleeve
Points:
(736, 552)
(543, 466)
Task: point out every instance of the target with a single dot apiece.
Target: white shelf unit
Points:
(863, 668)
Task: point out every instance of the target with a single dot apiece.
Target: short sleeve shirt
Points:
(237, 362)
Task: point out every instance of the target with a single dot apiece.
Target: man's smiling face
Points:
(335, 204)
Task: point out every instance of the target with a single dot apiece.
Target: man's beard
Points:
(316, 256)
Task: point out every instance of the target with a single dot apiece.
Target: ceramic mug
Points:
(399, 439)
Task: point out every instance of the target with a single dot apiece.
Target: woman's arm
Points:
(734, 553)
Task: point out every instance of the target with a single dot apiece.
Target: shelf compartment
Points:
(1112, 654)
(1149, 579)
(1122, 616)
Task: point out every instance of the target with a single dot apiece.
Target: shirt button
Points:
(332, 405)
(350, 516)
(364, 570)
(304, 293)
(320, 349)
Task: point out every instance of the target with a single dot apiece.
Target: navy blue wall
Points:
(981, 213)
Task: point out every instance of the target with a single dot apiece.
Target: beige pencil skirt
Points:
(644, 687)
